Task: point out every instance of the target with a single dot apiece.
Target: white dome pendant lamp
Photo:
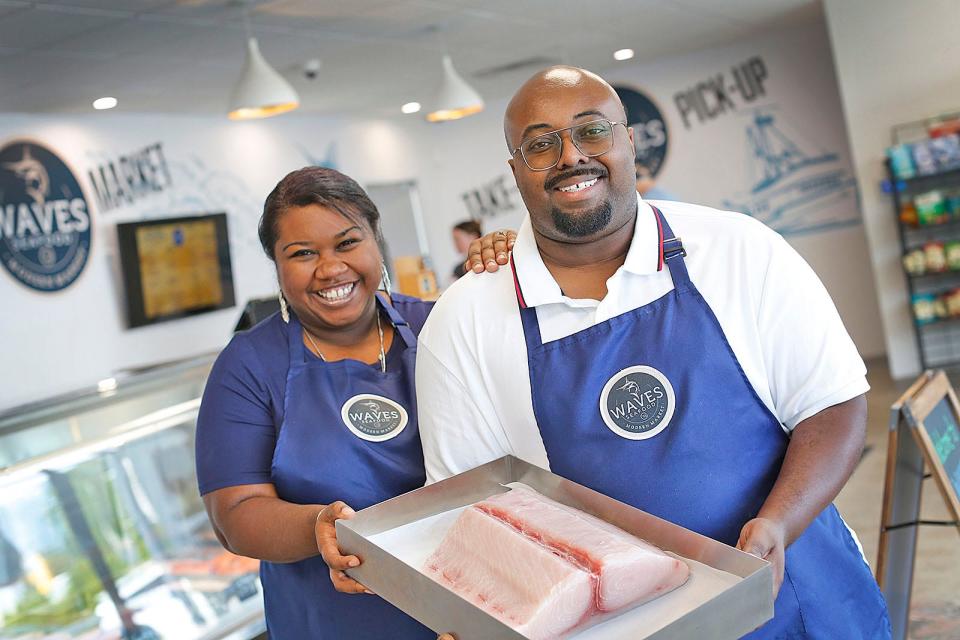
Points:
(456, 99)
(261, 92)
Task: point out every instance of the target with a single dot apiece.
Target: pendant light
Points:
(456, 99)
(260, 92)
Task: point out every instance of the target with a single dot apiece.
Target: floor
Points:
(935, 610)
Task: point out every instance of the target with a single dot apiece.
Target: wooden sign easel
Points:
(924, 435)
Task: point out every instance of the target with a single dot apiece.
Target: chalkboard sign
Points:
(935, 414)
(941, 425)
(924, 442)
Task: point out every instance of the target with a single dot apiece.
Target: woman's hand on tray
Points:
(765, 539)
(326, 533)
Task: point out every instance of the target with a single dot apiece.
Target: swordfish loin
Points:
(629, 570)
(518, 581)
(544, 568)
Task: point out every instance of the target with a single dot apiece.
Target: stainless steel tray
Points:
(730, 613)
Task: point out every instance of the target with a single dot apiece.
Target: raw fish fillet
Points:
(539, 594)
(630, 571)
(544, 568)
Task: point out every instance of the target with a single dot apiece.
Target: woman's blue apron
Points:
(652, 408)
(349, 433)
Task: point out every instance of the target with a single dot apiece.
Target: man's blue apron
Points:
(349, 433)
(652, 408)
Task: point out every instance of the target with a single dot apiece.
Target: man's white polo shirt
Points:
(473, 384)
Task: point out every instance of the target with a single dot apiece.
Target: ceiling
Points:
(183, 56)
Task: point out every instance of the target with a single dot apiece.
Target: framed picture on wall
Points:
(175, 267)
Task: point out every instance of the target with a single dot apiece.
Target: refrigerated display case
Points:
(102, 532)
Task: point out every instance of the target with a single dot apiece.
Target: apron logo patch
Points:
(637, 403)
(373, 418)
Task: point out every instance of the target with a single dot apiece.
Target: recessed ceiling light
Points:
(623, 54)
(410, 107)
(104, 103)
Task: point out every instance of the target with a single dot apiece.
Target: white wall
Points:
(896, 62)
(57, 342)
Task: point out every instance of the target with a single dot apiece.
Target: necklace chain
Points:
(382, 357)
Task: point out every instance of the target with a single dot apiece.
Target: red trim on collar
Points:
(516, 284)
(657, 215)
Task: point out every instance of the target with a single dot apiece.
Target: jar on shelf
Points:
(923, 159)
(931, 208)
(944, 127)
(915, 262)
(952, 302)
(908, 213)
(935, 256)
(952, 249)
(924, 308)
(946, 151)
(901, 161)
(952, 203)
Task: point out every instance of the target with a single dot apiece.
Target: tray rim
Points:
(433, 604)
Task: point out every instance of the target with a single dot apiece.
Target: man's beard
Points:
(581, 225)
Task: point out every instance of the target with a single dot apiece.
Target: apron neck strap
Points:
(528, 315)
(295, 330)
(671, 248)
(298, 351)
(516, 284)
(401, 326)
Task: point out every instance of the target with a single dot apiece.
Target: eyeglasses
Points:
(592, 139)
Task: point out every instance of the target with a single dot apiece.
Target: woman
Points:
(464, 234)
(314, 409)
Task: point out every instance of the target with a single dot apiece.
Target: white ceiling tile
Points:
(126, 6)
(320, 10)
(755, 12)
(198, 9)
(27, 68)
(7, 10)
(38, 28)
(133, 37)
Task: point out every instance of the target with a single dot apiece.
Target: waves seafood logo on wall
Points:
(45, 226)
(650, 137)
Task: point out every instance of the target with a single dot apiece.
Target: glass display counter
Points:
(102, 532)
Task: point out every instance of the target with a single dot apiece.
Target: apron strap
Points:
(528, 315)
(531, 327)
(401, 326)
(298, 351)
(516, 284)
(671, 248)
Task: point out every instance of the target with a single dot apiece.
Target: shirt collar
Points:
(537, 283)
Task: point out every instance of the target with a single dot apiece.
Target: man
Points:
(685, 361)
